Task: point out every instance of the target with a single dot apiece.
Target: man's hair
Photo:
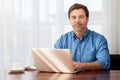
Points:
(78, 6)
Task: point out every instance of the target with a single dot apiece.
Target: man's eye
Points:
(73, 17)
(81, 16)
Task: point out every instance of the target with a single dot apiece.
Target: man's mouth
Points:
(78, 24)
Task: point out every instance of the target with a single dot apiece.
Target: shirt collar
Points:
(84, 36)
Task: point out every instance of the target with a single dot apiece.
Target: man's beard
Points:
(80, 29)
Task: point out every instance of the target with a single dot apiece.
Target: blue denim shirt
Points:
(92, 47)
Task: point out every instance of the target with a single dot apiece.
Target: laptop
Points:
(53, 60)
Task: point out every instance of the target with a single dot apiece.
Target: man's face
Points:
(78, 20)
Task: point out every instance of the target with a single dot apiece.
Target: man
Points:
(89, 49)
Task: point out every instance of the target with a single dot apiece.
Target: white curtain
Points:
(110, 27)
(17, 30)
(25, 24)
(118, 21)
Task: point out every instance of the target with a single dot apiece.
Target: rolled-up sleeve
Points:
(103, 56)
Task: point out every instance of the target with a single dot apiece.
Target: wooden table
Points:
(35, 75)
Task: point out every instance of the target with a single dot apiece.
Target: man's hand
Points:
(77, 65)
(87, 66)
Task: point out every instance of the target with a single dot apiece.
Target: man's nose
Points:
(77, 20)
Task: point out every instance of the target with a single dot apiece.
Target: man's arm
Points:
(87, 66)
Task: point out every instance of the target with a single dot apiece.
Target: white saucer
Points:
(17, 70)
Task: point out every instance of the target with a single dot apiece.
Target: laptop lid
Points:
(53, 60)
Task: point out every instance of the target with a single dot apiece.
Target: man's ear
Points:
(88, 19)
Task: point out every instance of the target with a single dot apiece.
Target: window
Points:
(54, 19)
